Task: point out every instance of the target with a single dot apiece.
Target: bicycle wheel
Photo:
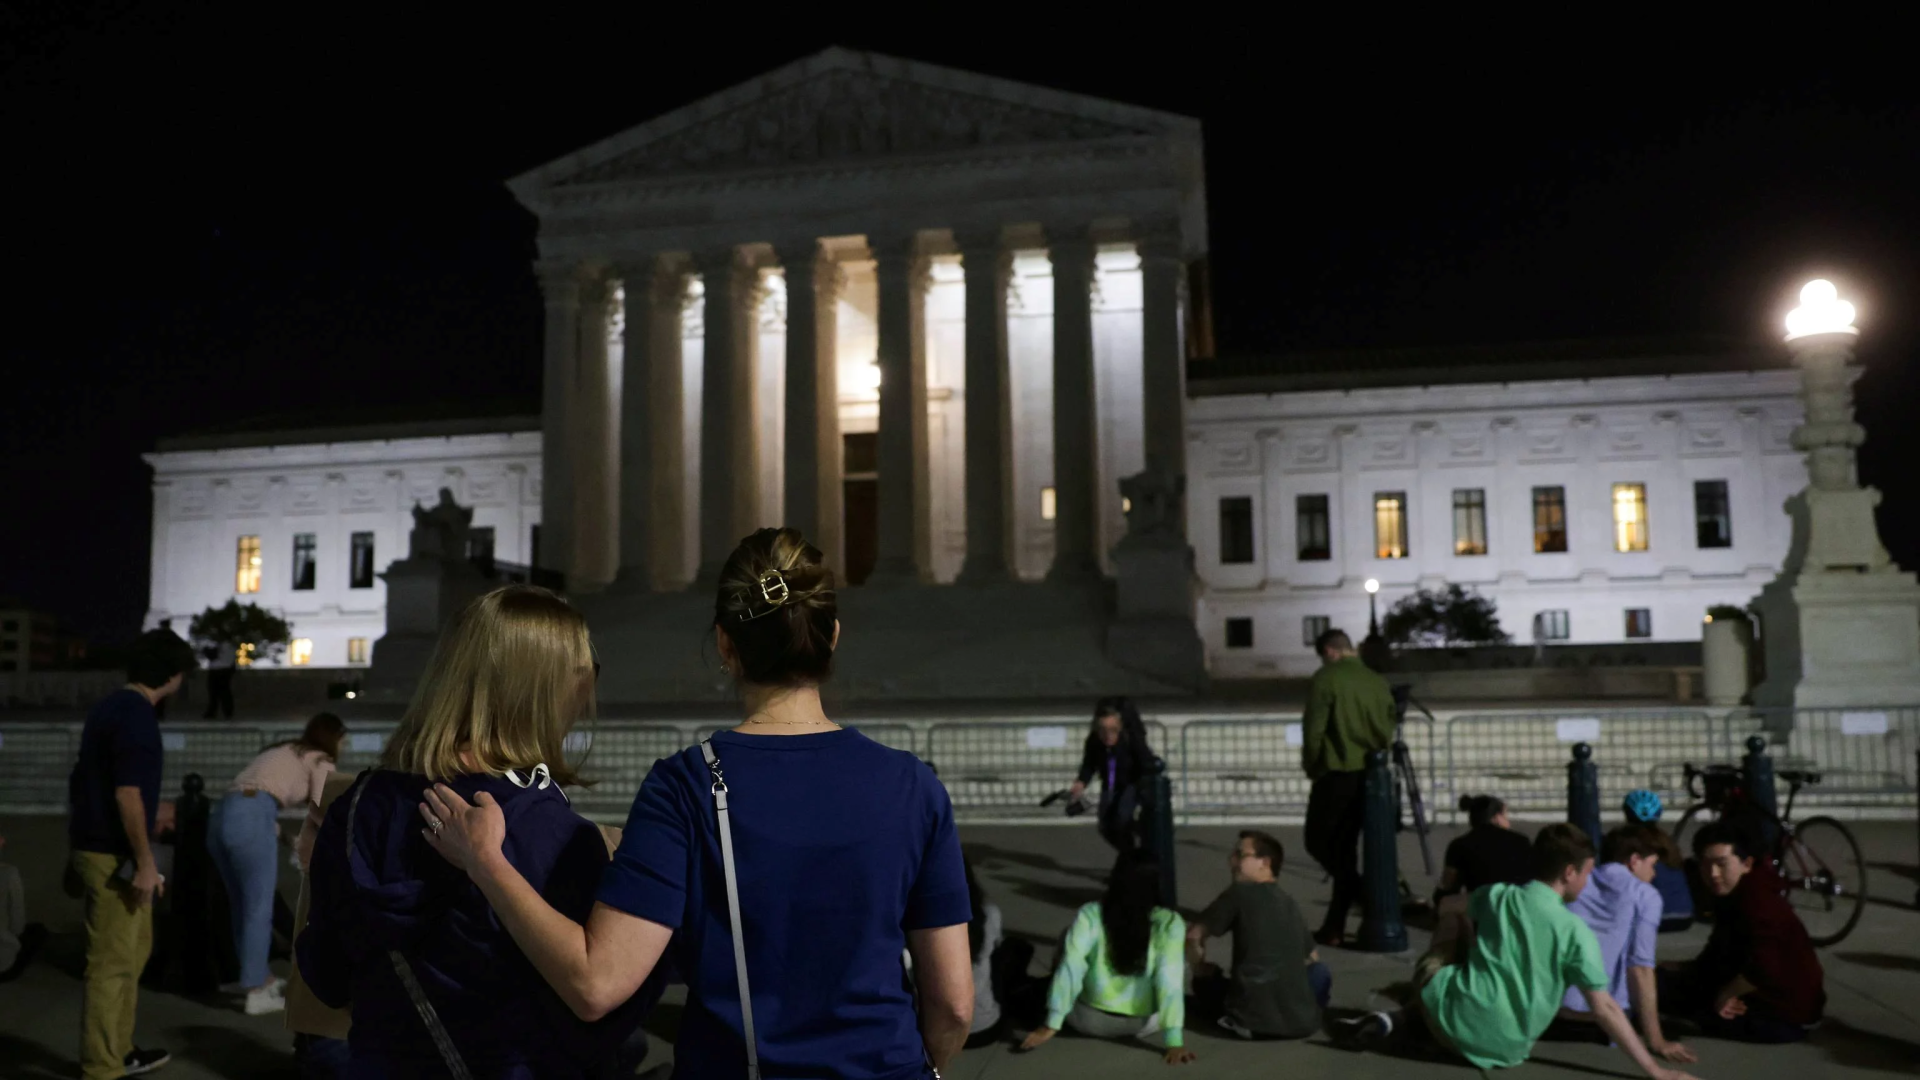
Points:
(1826, 878)
(1697, 814)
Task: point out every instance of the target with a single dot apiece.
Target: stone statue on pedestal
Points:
(1152, 631)
(425, 591)
(442, 531)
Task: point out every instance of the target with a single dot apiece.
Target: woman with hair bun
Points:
(1490, 853)
(788, 864)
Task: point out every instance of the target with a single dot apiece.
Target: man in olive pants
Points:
(114, 804)
(1349, 714)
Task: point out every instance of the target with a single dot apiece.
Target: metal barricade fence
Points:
(1522, 757)
(34, 762)
(1865, 755)
(1003, 769)
(1256, 766)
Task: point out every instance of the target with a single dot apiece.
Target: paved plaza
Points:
(1038, 874)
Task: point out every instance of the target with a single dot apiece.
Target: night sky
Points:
(212, 218)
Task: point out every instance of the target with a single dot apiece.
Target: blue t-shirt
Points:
(1671, 883)
(119, 747)
(841, 846)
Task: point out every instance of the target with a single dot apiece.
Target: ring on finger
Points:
(436, 825)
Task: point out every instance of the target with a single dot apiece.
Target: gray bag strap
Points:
(733, 906)
(456, 1065)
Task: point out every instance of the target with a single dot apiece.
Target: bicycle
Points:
(1818, 859)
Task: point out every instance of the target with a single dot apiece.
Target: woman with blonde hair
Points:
(789, 863)
(243, 837)
(435, 985)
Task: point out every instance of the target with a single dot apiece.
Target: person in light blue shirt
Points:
(1623, 910)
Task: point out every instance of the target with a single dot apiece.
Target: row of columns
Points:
(618, 468)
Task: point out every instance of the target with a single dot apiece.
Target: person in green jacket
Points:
(1349, 714)
(1122, 970)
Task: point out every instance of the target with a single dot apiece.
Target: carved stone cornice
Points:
(1158, 240)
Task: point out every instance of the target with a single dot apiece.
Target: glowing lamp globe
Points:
(1373, 586)
(1821, 311)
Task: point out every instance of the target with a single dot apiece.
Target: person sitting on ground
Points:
(1122, 970)
(1278, 986)
(1116, 750)
(1489, 853)
(1644, 807)
(984, 935)
(20, 940)
(1758, 979)
(1492, 984)
(435, 983)
(1621, 906)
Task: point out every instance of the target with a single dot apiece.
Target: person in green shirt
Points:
(1349, 714)
(1278, 986)
(1122, 970)
(1488, 989)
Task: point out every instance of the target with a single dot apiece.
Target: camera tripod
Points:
(1406, 779)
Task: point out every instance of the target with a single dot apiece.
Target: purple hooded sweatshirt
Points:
(395, 892)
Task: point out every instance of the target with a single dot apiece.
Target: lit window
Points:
(1549, 520)
(1712, 517)
(1629, 517)
(1236, 530)
(356, 650)
(1390, 525)
(1126, 505)
(303, 568)
(1049, 505)
(300, 652)
(246, 572)
(360, 562)
(1469, 521)
(1551, 626)
(1312, 627)
(1313, 533)
(1239, 633)
(1639, 622)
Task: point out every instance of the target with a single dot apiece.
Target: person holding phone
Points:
(113, 797)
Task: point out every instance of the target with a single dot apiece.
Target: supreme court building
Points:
(944, 324)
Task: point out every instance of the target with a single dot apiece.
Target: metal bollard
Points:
(192, 889)
(1758, 768)
(1583, 792)
(1159, 830)
(1381, 929)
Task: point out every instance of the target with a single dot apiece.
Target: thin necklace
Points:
(783, 723)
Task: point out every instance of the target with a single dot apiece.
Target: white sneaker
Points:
(271, 998)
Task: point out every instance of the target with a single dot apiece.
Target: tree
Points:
(1431, 618)
(249, 628)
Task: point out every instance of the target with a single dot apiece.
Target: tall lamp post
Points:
(1373, 607)
(1841, 622)
(1374, 651)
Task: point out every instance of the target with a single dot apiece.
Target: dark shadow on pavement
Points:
(226, 1052)
(1883, 961)
(1845, 1044)
(1574, 1066)
(24, 1059)
(986, 856)
(1911, 873)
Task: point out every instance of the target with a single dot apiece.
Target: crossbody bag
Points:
(722, 815)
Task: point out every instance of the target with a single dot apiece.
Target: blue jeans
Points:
(244, 840)
(1320, 977)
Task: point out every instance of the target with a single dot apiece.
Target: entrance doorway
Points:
(861, 497)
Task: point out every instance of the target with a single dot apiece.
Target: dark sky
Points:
(213, 217)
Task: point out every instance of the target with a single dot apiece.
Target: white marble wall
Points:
(205, 500)
(1582, 435)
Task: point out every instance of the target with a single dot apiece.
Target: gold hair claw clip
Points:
(773, 590)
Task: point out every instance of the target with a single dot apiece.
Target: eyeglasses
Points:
(594, 654)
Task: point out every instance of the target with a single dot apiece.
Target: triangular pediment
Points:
(845, 107)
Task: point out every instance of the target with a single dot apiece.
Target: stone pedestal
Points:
(1841, 624)
(1725, 645)
(425, 591)
(1152, 631)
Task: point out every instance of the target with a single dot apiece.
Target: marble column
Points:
(1076, 468)
(596, 464)
(560, 285)
(1163, 355)
(652, 466)
(904, 527)
(729, 466)
(989, 454)
(813, 466)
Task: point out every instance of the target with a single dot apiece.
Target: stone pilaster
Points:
(652, 465)
(560, 286)
(1163, 355)
(989, 455)
(904, 539)
(813, 451)
(729, 469)
(1076, 461)
(597, 462)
